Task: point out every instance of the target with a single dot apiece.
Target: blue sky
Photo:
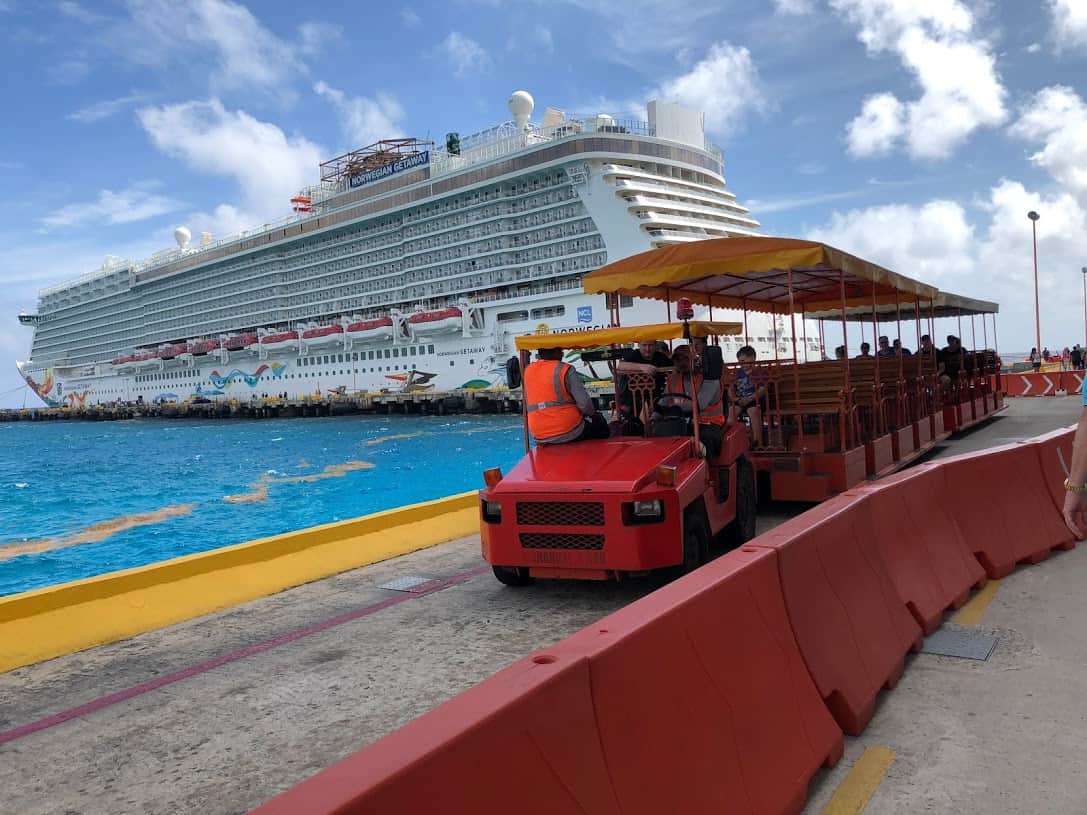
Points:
(917, 134)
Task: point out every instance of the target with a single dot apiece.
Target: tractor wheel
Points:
(742, 529)
(512, 575)
(696, 539)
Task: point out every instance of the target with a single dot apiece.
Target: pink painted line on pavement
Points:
(102, 702)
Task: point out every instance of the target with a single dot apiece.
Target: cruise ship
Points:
(408, 266)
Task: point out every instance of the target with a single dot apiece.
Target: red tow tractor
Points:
(624, 506)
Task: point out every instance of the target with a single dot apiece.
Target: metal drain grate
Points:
(411, 583)
(954, 642)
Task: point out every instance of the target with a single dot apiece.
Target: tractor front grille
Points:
(547, 540)
(560, 513)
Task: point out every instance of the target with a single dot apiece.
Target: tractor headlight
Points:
(492, 512)
(643, 512)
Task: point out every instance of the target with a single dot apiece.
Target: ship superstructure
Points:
(407, 266)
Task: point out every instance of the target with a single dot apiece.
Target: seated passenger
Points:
(899, 351)
(644, 359)
(866, 351)
(711, 408)
(951, 359)
(559, 408)
(748, 392)
(885, 351)
(839, 352)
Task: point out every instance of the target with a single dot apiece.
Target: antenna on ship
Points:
(521, 104)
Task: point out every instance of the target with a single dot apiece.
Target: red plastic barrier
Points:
(931, 565)
(1072, 382)
(703, 701)
(852, 627)
(692, 699)
(1032, 384)
(1001, 504)
(1055, 456)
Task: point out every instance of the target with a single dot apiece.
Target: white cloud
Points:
(247, 55)
(315, 37)
(543, 38)
(725, 86)
(956, 71)
(77, 12)
(126, 206)
(364, 120)
(1069, 23)
(106, 108)
(793, 7)
(464, 54)
(1033, 48)
(1057, 118)
(409, 18)
(878, 127)
(268, 165)
(989, 257)
(70, 71)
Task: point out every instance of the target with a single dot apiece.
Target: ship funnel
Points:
(521, 104)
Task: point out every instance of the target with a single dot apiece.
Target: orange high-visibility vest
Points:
(552, 411)
(713, 413)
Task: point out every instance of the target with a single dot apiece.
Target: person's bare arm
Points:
(624, 367)
(1075, 503)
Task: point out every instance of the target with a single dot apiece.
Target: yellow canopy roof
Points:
(753, 273)
(623, 336)
(945, 304)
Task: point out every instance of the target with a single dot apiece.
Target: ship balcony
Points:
(715, 228)
(31, 319)
(740, 219)
(633, 174)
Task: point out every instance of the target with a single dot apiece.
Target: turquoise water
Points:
(61, 485)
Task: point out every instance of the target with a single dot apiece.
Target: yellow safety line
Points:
(972, 612)
(863, 779)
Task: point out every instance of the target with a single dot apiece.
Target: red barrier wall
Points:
(931, 565)
(852, 627)
(1002, 506)
(1054, 452)
(1043, 384)
(692, 699)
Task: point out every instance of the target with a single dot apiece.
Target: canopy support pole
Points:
(848, 395)
(796, 370)
(879, 423)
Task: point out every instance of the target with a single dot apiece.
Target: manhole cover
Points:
(952, 642)
(413, 583)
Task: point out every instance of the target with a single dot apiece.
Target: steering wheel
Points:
(662, 405)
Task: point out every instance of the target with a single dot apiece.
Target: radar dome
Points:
(182, 235)
(521, 104)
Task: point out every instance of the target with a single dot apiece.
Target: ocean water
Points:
(81, 499)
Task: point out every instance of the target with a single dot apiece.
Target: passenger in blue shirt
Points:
(747, 392)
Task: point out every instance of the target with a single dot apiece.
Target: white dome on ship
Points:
(521, 104)
(182, 235)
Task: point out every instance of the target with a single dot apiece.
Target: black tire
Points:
(513, 575)
(696, 539)
(742, 529)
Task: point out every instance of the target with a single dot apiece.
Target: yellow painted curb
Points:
(46, 623)
(974, 610)
(857, 788)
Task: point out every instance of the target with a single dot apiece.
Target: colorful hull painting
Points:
(44, 389)
(224, 383)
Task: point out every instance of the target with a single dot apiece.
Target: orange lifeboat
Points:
(379, 328)
(323, 335)
(442, 321)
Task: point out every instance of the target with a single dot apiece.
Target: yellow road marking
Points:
(972, 612)
(863, 779)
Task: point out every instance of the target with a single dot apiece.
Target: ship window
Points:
(512, 316)
(450, 363)
(548, 311)
(626, 301)
(430, 349)
(396, 352)
(341, 358)
(388, 353)
(370, 355)
(413, 350)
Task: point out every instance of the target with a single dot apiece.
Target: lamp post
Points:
(1034, 216)
(1084, 270)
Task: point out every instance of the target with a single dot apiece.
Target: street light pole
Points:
(1037, 311)
(1084, 270)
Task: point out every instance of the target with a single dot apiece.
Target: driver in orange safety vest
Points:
(711, 403)
(559, 408)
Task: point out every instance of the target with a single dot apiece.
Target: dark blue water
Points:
(63, 483)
